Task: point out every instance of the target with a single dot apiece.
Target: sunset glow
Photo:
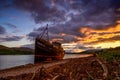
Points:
(108, 44)
(78, 25)
(93, 35)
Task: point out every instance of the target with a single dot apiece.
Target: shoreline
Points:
(26, 68)
(91, 67)
(18, 60)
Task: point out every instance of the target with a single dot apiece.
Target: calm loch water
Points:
(8, 61)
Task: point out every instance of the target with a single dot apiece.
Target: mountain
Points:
(15, 51)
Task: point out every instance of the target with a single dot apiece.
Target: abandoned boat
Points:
(46, 50)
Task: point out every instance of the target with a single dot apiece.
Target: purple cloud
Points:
(2, 30)
(10, 38)
(69, 16)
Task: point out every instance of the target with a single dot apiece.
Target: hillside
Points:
(15, 51)
(107, 54)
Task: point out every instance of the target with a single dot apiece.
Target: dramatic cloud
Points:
(5, 36)
(84, 12)
(56, 34)
(75, 21)
(98, 36)
(10, 38)
(41, 10)
(2, 30)
(70, 15)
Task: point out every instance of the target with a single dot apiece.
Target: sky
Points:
(78, 24)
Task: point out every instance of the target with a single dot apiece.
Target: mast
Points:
(45, 33)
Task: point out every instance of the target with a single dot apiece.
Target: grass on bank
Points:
(110, 55)
(107, 54)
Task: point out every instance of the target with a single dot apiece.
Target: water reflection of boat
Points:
(44, 50)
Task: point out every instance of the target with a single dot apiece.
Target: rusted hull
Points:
(44, 51)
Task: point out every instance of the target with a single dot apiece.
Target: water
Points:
(8, 61)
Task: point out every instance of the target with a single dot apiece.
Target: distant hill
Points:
(3, 47)
(15, 51)
(102, 50)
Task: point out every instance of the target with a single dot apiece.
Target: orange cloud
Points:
(118, 21)
(62, 34)
(56, 39)
(108, 44)
(104, 38)
(100, 38)
(87, 30)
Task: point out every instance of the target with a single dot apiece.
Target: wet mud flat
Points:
(88, 68)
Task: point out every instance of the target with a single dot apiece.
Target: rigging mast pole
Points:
(45, 33)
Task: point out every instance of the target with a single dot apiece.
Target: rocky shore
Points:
(88, 68)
